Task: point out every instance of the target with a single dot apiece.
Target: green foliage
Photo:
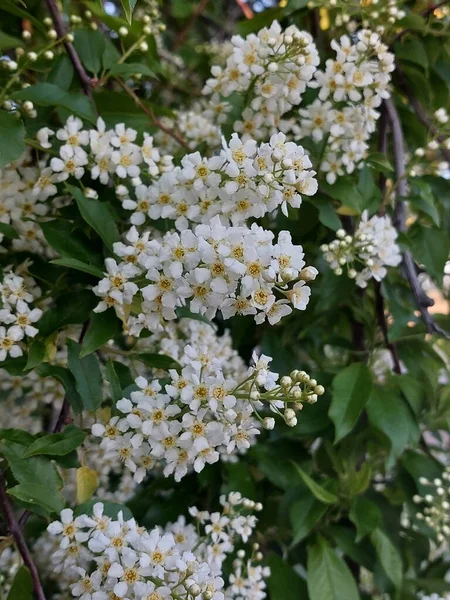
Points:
(22, 587)
(11, 129)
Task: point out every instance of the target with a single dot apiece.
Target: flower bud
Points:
(32, 56)
(269, 423)
(48, 54)
(52, 35)
(319, 390)
(26, 35)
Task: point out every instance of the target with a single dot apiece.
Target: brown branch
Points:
(149, 112)
(423, 302)
(248, 13)
(72, 53)
(191, 22)
(19, 540)
(381, 317)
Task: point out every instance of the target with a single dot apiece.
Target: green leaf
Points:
(329, 578)
(67, 242)
(62, 72)
(351, 390)
(412, 50)
(39, 481)
(431, 247)
(88, 376)
(388, 412)
(48, 94)
(65, 377)
(284, 583)
(304, 514)
(319, 492)
(33, 493)
(8, 231)
(57, 444)
(12, 138)
(17, 435)
(8, 41)
(347, 193)
(22, 586)
(379, 162)
(73, 263)
(128, 7)
(103, 327)
(90, 46)
(73, 308)
(158, 361)
(97, 215)
(128, 69)
(389, 557)
(365, 515)
(36, 354)
(114, 382)
(12, 8)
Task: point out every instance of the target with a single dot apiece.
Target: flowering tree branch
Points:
(16, 532)
(381, 317)
(423, 302)
(72, 53)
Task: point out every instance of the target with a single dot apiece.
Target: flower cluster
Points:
(115, 558)
(20, 207)
(367, 253)
(234, 270)
(104, 153)
(16, 317)
(200, 414)
(435, 506)
(244, 180)
(274, 68)
(351, 88)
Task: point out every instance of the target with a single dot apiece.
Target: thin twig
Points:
(381, 317)
(16, 532)
(72, 53)
(191, 22)
(149, 111)
(423, 302)
(248, 13)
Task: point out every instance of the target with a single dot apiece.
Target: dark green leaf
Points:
(57, 444)
(319, 492)
(36, 354)
(305, 514)
(12, 138)
(114, 383)
(8, 41)
(128, 7)
(110, 509)
(97, 215)
(128, 69)
(365, 515)
(284, 583)
(103, 327)
(351, 390)
(67, 242)
(431, 247)
(33, 493)
(48, 94)
(65, 377)
(90, 46)
(389, 413)
(8, 231)
(73, 263)
(73, 308)
(22, 586)
(329, 578)
(389, 557)
(88, 376)
(184, 313)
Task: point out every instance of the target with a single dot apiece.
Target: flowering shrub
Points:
(224, 285)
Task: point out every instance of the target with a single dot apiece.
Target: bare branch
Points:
(248, 13)
(72, 53)
(16, 532)
(423, 302)
(381, 317)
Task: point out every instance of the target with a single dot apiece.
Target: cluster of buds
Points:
(367, 253)
(435, 504)
(346, 249)
(297, 388)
